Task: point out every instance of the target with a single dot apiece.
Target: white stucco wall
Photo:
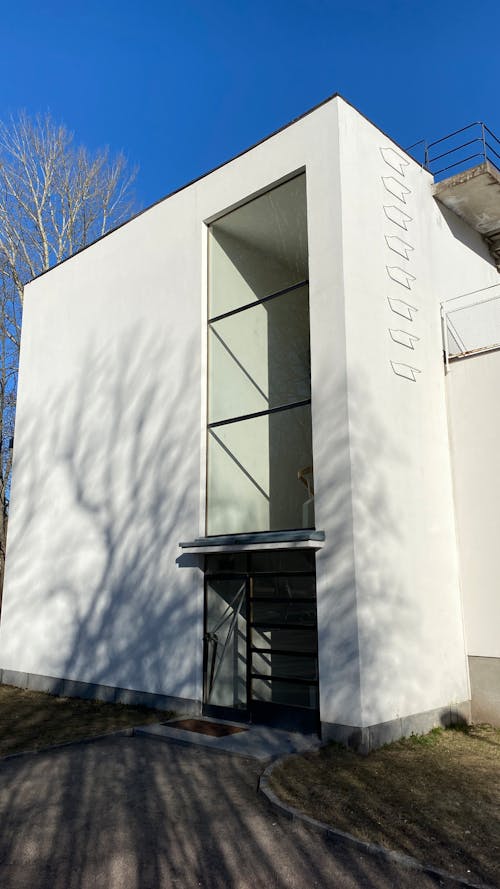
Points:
(104, 483)
(401, 256)
(109, 470)
(474, 407)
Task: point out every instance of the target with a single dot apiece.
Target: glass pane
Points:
(226, 563)
(300, 639)
(288, 666)
(259, 248)
(238, 477)
(225, 643)
(290, 452)
(276, 612)
(253, 474)
(260, 358)
(289, 587)
(283, 560)
(299, 695)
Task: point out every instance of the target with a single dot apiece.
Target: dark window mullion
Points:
(291, 680)
(284, 573)
(258, 302)
(267, 412)
(290, 653)
(280, 626)
(302, 600)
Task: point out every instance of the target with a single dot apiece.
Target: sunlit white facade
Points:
(237, 485)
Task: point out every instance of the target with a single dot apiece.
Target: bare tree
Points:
(55, 198)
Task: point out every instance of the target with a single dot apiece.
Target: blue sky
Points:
(182, 86)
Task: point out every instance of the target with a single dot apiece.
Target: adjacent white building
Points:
(245, 481)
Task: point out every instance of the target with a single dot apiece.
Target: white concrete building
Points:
(244, 479)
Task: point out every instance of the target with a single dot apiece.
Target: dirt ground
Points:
(435, 797)
(32, 720)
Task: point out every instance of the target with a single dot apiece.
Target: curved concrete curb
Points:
(348, 840)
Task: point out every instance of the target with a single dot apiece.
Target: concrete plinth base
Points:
(90, 691)
(363, 739)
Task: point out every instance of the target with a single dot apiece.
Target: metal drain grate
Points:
(204, 727)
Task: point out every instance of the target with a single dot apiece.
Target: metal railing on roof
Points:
(457, 152)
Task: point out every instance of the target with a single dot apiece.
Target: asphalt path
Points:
(138, 813)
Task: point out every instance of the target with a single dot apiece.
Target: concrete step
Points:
(256, 741)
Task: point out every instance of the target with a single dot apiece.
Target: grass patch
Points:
(435, 797)
(31, 720)
(429, 740)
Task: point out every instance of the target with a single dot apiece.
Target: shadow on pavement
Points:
(144, 814)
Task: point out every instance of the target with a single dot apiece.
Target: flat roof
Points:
(170, 194)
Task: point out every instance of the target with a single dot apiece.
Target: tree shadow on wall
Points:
(381, 646)
(108, 485)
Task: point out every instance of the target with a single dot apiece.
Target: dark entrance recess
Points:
(260, 638)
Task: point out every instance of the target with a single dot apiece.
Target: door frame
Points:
(288, 717)
(233, 714)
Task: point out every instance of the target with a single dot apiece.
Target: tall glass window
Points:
(259, 381)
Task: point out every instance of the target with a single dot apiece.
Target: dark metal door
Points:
(260, 642)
